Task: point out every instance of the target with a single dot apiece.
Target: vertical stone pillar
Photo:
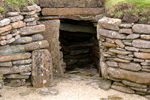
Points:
(42, 74)
(52, 36)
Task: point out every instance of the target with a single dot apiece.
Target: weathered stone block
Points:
(141, 28)
(141, 44)
(72, 11)
(15, 57)
(5, 29)
(125, 31)
(18, 24)
(130, 66)
(142, 55)
(137, 77)
(4, 22)
(32, 29)
(109, 23)
(111, 34)
(42, 68)
(16, 18)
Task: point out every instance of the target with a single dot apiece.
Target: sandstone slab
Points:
(109, 23)
(141, 44)
(130, 66)
(142, 55)
(141, 28)
(137, 77)
(72, 11)
(111, 34)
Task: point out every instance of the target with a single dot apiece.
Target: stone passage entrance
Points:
(79, 44)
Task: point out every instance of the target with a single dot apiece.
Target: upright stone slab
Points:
(42, 67)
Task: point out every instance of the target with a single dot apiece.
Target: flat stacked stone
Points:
(127, 54)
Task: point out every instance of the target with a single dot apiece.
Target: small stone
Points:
(17, 37)
(145, 37)
(114, 97)
(21, 62)
(32, 8)
(4, 42)
(122, 89)
(119, 43)
(105, 44)
(132, 84)
(121, 60)
(10, 14)
(28, 13)
(29, 19)
(121, 52)
(37, 37)
(145, 63)
(18, 24)
(145, 50)
(125, 57)
(130, 66)
(125, 25)
(6, 64)
(105, 84)
(9, 36)
(112, 64)
(131, 49)
(141, 28)
(133, 36)
(23, 40)
(138, 60)
(109, 23)
(11, 40)
(111, 34)
(141, 44)
(16, 76)
(127, 42)
(5, 29)
(125, 31)
(4, 22)
(16, 18)
(32, 23)
(142, 55)
(48, 91)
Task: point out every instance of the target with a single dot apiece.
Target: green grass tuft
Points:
(2, 9)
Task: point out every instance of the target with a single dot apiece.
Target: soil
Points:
(71, 87)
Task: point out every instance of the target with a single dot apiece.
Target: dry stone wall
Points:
(125, 55)
(20, 35)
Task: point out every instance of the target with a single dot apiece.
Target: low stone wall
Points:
(125, 55)
(19, 37)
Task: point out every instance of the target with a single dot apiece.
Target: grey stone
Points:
(109, 23)
(112, 63)
(138, 60)
(10, 14)
(121, 60)
(11, 40)
(37, 37)
(122, 89)
(17, 76)
(4, 22)
(33, 7)
(133, 36)
(132, 84)
(32, 29)
(48, 91)
(141, 28)
(28, 13)
(6, 64)
(125, 57)
(31, 23)
(141, 44)
(125, 25)
(127, 42)
(21, 62)
(105, 84)
(29, 19)
(145, 63)
(121, 52)
(130, 66)
(125, 31)
(137, 77)
(119, 43)
(16, 18)
(111, 34)
(131, 48)
(23, 40)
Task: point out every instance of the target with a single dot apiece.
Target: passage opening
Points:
(79, 45)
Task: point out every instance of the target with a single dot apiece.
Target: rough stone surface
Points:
(112, 63)
(4, 22)
(142, 55)
(18, 24)
(139, 44)
(133, 36)
(119, 43)
(32, 29)
(130, 66)
(125, 31)
(72, 11)
(137, 77)
(5, 29)
(111, 34)
(141, 28)
(132, 84)
(109, 23)
(42, 68)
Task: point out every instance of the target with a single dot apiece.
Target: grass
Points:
(2, 9)
(138, 3)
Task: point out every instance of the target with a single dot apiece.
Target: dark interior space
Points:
(79, 45)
